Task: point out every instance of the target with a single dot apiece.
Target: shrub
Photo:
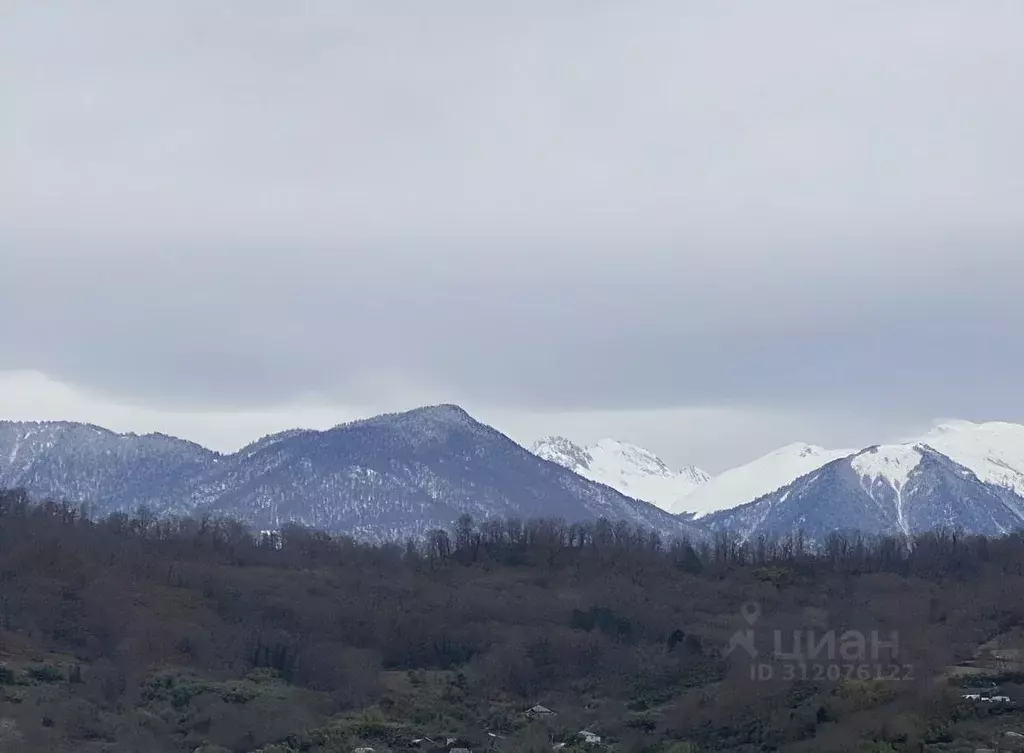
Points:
(46, 673)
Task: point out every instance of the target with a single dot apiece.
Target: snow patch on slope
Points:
(563, 451)
(765, 475)
(615, 456)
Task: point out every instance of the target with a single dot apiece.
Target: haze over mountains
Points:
(399, 475)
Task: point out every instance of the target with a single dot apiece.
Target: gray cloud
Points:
(591, 206)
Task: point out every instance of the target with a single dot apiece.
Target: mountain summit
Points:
(632, 470)
(993, 451)
(888, 490)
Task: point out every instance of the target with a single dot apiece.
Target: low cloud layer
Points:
(595, 206)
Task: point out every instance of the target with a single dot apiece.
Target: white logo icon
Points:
(751, 611)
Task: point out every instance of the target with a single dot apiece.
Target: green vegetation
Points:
(134, 634)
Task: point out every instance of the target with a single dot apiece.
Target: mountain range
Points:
(387, 477)
(959, 475)
(399, 475)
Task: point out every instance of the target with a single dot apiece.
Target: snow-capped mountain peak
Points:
(625, 467)
(993, 451)
(892, 463)
(890, 466)
(902, 489)
(800, 450)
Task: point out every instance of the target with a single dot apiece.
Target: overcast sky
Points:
(710, 228)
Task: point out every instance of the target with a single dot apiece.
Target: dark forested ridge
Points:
(134, 633)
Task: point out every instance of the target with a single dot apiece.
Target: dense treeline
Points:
(135, 632)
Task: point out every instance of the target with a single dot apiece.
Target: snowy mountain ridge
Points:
(993, 451)
(625, 467)
(755, 479)
(902, 489)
